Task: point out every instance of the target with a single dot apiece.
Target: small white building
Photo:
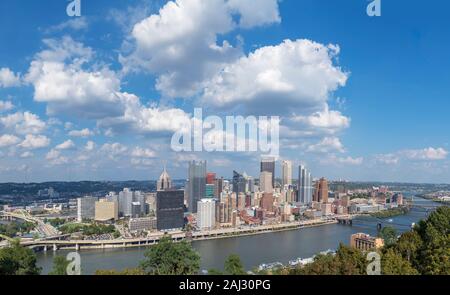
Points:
(206, 214)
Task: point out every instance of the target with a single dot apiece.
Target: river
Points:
(253, 250)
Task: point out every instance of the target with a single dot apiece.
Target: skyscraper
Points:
(268, 165)
(265, 182)
(206, 216)
(169, 209)
(321, 191)
(164, 182)
(239, 183)
(286, 173)
(86, 208)
(305, 187)
(197, 183)
(210, 178)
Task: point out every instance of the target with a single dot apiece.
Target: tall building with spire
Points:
(164, 182)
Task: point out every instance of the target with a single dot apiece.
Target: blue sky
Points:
(98, 97)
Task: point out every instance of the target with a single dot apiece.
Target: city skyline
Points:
(98, 97)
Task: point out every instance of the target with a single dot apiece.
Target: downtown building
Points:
(206, 214)
(268, 165)
(86, 208)
(321, 191)
(170, 209)
(286, 173)
(196, 185)
(305, 186)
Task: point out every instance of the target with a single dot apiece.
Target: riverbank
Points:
(391, 212)
(79, 245)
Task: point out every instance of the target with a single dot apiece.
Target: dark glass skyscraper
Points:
(169, 209)
(268, 165)
(239, 183)
(197, 183)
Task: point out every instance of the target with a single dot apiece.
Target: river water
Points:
(253, 250)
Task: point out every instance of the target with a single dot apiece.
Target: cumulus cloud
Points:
(8, 78)
(75, 24)
(388, 158)
(180, 44)
(90, 146)
(426, 154)
(113, 150)
(60, 80)
(326, 145)
(55, 158)
(8, 140)
(141, 119)
(266, 13)
(298, 75)
(328, 121)
(35, 142)
(5, 106)
(81, 133)
(22, 123)
(26, 155)
(66, 145)
(139, 152)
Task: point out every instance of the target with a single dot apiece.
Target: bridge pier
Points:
(77, 247)
(45, 248)
(55, 248)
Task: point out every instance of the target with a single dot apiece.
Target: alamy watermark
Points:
(74, 8)
(374, 266)
(74, 266)
(237, 134)
(374, 8)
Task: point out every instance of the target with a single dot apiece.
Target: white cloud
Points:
(68, 144)
(8, 78)
(350, 161)
(139, 152)
(60, 80)
(387, 158)
(26, 154)
(332, 121)
(114, 150)
(426, 154)
(22, 123)
(297, 75)
(5, 106)
(180, 42)
(35, 142)
(8, 140)
(141, 119)
(75, 24)
(265, 13)
(326, 145)
(55, 158)
(81, 133)
(90, 146)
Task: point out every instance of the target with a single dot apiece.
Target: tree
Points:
(389, 235)
(17, 260)
(234, 266)
(434, 255)
(393, 263)
(408, 245)
(60, 264)
(169, 258)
